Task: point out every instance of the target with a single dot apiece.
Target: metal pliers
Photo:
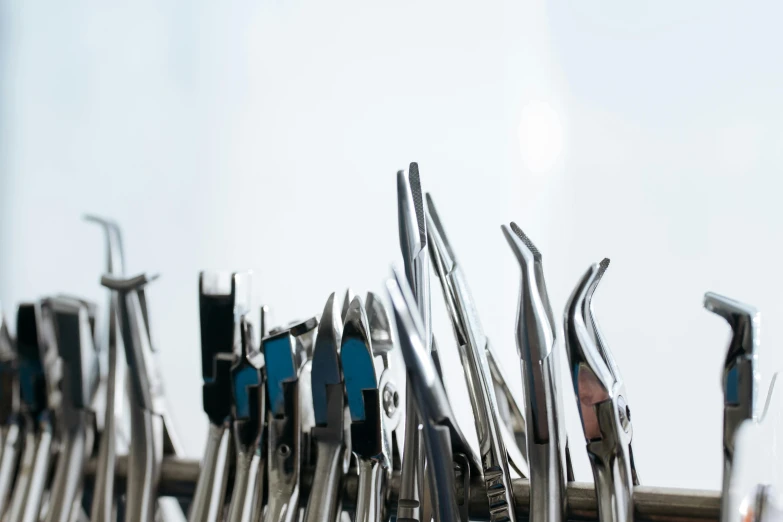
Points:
(223, 297)
(151, 430)
(249, 413)
(473, 346)
(448, 452)
(11, 421)
(39, 393)
(602, 402)
(740, 379)
(284, 449)
(537, 347)
(369, 436)
(329, 410)
(111, 421)
(73, 338)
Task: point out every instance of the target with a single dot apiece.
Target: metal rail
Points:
(654, 504)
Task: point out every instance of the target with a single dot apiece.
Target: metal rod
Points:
(654, 504)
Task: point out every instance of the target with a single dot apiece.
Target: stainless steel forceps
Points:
(740, 379)
(602, 402)
(73, 337)
(329, 410)
(111, 421)
(284, 427)
(473, 346)
(223, 297)
(369, 436)
(452, 462)
(39, 387)
(249, 414)
(536, 332)
(151, 431)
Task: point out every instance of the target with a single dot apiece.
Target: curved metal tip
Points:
(123, 284)
(581, 336)
(380, 329)
(326, 359)
(115, 256)
(744, 320)
(349, 296)
(523, 248)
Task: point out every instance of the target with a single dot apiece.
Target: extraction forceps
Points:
(413, 244)
(151, 432)
(40, 398)
(249, 411)
(11, 421)
(538, 350)
(111, 424)
(284, 427)
(473, 346)
(448, 452)
(602, 403)
(369, 437)
(329, 410)
(740, 380)
(73, 337)
(223, 297)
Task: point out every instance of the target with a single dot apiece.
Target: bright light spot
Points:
(540, 137)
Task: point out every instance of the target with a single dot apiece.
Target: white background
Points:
(266, 135)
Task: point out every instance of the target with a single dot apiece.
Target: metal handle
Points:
(325, 493)
(211, 479)
(245, 475)
(66, 489)
(40, 472)
(12, 439)
(371, 496)
(144, 460)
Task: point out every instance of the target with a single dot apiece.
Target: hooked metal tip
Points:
(326, 359)
(122, 284)
(582, 338)
(115, 256)
(744, 320)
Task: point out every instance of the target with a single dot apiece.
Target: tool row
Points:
(353, 393)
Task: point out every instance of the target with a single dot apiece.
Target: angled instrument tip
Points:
(522, 247)
(349, 296)
(326, 360)
(115, 256)
(744, 320)
(582, 339)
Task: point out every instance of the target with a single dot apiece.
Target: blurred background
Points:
(266, 135)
